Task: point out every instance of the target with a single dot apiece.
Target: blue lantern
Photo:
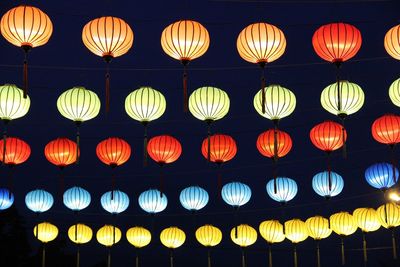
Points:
(114, 201)
(236, 194)
(286, 189)
(39, 200)
(320, 184)
(76, 198)
(380, 175)
(193, 198)
(6, 198)
(152, 201)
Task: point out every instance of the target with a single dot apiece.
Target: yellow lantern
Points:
(243, 235)
(108, 235)
(138, 237)
(296, 232)
(389, 217)
(80, 233)
(392, 42)
(208, 236)
(394, 92)
(318, 228)
(45, 232)
(172, 238)
(272, 232)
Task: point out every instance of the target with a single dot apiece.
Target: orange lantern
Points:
(26, 27)
(272, 147)
(185, 40)
(16, 151)
(108, 37)
(386, 129)
(61, 152)
(392, 42)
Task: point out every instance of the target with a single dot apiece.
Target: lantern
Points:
(45, 232)
(172, 238)
(79, 234)
(381, 175)
(39, 200)
(61, 152)
(6, 199)
(145, 105)
(114, 201)
(193, 198)
(208, 236)
(244, 236)
(343, 224)
(107, 37)
(320, 184)
(236, 194)
(76, 198)
(138, 237)
(286, 189)
(185, 40)
(272, 232)
(386, 129)
(392, 42)
(222, 148)
(26, 27)
(389, 217)
(153, 201)
(79, 105)
(394, 92)
(318, 229)
(15, 152)
(108, 236)
(367, 220)
(266, 143)
(296, 231)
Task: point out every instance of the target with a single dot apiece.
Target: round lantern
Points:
(108, 235)
(12, 103)
(389, 215)
(245, 236)
(296, 232)
(153, 201)
(208, 235)
(394, 92)
(138, 237)
(327, 136)
(272, 232)
(39, 200)
(6, 199)
(236, 194)
(386, 129)
(347, 100)
(114, 201)
(172, 237)
(113, 151)
(16, 151)
(266, 143)
(381, 175)
(320, 184)
(26, 27)
(286, 189)
(222, 148)
(193, 198)
(61, 152)
(80, 233)
(45, 232)
(76, 198)
(164, 149)
(392, 42)
(185, 40)
(318, 229)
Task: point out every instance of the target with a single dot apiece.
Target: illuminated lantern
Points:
(343, 224)
(79, 234)
(236, 194)
(296, 231)
(153, 201)
(367, 220)
(386, 129)
(266, 143)
(392, 42)
(320, 184)
(185, 40)
(45, 232)
(107, 37)
(272, 232)
(39, 200)
(79, 105)
(318, 229)
(108, 236)
(380, 175)
(172, 238)
(76, 198)
(193, 198)
(26, 27)
(208, 236)
(261, 43)
(394, 92)
(145, 105)
(114, 201)
(389, 217)
(16, 151)
(244, 236)
(138, 237)
(6, 199)
(286, 189)
(61, 152)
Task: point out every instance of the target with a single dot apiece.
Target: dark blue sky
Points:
(65, 62)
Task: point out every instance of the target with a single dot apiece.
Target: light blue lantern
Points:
(153, 201)
(286, 189)
(193, 198)
(320, 184)
(236, 194)
(380, 175)
(39, 200)
(114, 201)
(76, 198)
(6, 198)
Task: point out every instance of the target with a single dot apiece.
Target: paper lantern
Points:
(245, 235)
(272, 231)
(193, 198)
(138, 237)
(108, 235)
(39, 200)
(286, 189)
(394, 92)
(337, 42)
(236, 194)
(208, 235)
(320, 184)
(164, 149)
(367, 219)
(153, 201)
(6, 199)
(113, 151)
(389, 215)
(318, 227)
(296, 230)
(327, 136)
(386, 129)
(61, 152)
(12, 103)
(392, 42)
(114, 201)
(381, 175)
(80, 233)
(266, 143)
(45, 232)
(346, 101)
(26, 27)
(172, 237)
(76, 198)
(16, 151)
(222, 148)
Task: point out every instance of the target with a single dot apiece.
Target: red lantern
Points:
(337, 42)
(61, 152)
(17, 151)
(222, 148)
(386, 129)
(113, 151)
(328, 136)
(266, 143)
(164, 149)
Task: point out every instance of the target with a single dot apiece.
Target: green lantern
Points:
(394, 92)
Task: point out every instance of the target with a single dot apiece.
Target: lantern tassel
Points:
(209, 141)
(171, 258)
(344, 148)
(209, 257)
(262, 65)
(62, 185)
(109, 257)
(108, 88)
(342, 249)
(295, 256)
(137, 258)
(161, 180)
(329, 172)
(365, 250)
(113, 182)
(219, 180)
(276, 142)
(25, 78)
(393, 157)
(78, 256)
(394, 246)
(386, 213)
(44, 255)
(10, 181)
(243, 258)
(275, 174)
(145, 141)
(318, 255)
(78, 141)
(185, 89)
(4, 143)
(235, 214)
(269, 255)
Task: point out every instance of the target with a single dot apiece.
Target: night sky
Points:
(65, 62)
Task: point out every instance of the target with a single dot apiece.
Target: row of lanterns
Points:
(295, 230)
